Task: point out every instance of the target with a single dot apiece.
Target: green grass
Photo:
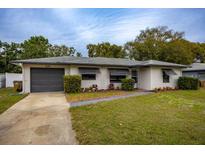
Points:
(176, 117)
(75, 97)
(8, 98)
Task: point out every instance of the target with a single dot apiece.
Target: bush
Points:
(72, 83)
(111, 86)
(188, 83)
(127, 84)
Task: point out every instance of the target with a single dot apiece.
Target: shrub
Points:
(159, 89)
(94, 87)
(72, 83)
(127, 84)
(188, 83)
(111, 86)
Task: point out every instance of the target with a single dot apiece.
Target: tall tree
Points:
(56, 50)
(198, 49)
(161, 43)
(178, 51)
(160, 34)
(9, 52)
(35, 47)
(106, 49)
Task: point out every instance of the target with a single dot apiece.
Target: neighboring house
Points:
(196, 70)
(46, 74)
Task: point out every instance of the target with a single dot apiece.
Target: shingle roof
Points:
(195, 67)
(95, 61)
(160, 63)
(81, 60)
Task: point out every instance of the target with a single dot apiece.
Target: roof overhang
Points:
(49, 63)
(137, 64)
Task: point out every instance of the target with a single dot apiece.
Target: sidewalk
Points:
(94, 101)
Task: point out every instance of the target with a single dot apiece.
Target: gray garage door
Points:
(46, 79)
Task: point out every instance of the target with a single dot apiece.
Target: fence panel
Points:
(10, 77)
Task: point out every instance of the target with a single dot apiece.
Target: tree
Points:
(56, 51)
(178, 51)
(106, 49)
(9, 52)
(161, 43)
(35, 47)
(159, 34)
(78, 54)
(198, 49)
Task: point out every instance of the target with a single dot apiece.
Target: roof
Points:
(161, 63)
(81, 60)
(195, 67)
(96, 61)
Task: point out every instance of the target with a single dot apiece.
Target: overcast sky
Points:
(79, 27)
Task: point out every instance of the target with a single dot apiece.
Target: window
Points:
(134, 75)
(88, 76)
(165, 77)
(116, 78)
(202, 76)
(116, 75)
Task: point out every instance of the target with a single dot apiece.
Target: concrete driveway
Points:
(40, 118)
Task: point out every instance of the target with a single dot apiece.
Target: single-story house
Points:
(46, 74)
(196, 70)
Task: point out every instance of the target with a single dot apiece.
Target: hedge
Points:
(72, 83)
(127, 84)
(188, 83)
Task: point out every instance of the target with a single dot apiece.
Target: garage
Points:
(47, 79)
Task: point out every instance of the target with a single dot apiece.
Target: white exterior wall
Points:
(11, 77)
(74, 70)
(144, 78)
(102, 78)
(151, 78)
(157, 78)
(148, 77)
(26, 73)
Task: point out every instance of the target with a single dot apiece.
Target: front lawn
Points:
(75, 97)
(8, 98)
(176, 117)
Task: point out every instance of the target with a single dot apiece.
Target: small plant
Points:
(111, 86)
(156, 90)
(83, 90)
(164, 89)
(72, 83)
(94, 87)
(128, 84)
(188, 83)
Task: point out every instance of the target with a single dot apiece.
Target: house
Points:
(46, 74)
(196, 70)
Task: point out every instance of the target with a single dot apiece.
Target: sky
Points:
(79, 27)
